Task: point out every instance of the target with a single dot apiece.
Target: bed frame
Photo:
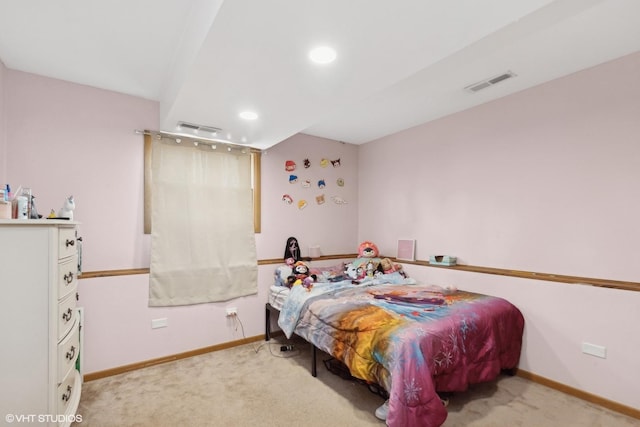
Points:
(269, 309)
(267, 336)
(449, 371)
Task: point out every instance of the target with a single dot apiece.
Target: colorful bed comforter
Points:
(414, 340)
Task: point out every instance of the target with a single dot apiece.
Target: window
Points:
(203, 237)
(255, 179)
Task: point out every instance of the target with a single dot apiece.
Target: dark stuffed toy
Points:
(301, 276)
(292, 251)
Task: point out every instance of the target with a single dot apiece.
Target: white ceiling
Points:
(400, 63)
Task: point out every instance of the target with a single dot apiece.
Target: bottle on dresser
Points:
(5, 203)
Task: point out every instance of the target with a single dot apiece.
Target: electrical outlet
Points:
(232, 311)
(159, 323)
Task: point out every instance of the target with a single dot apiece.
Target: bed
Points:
(413, 340)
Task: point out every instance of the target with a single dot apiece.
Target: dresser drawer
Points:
(68, 393)
(66, 315)
(67, 276)
(68, 351)
(67, 242)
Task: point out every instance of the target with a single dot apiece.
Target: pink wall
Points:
(331, 226)
(544, 180)
(66, 139)
(117, 315)
(3, 128)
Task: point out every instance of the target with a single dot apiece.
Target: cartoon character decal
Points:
(338, 200)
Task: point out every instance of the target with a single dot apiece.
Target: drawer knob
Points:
(66, 396)
(70, 243)
(68, 278)
(67, 316)
(71, 353)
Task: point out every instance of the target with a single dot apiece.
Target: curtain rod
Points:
(213, 143)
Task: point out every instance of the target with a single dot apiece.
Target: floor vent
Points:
(483, 84)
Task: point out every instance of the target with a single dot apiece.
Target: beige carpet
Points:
(258, 385)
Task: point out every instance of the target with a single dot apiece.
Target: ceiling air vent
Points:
(489, 82)
(197, 128)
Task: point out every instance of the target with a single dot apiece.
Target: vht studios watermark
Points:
(42, 418)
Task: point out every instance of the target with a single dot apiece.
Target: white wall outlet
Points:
(159, 323)
(232, 311)
(594, 350)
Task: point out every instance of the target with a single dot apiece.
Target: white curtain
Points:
(202, 238)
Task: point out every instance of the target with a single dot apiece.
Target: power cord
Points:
(290, 349)
(285, 351)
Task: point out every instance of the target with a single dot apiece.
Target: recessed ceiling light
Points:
(248, 115)
(322, 55)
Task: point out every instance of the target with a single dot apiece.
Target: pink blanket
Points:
(415, 341)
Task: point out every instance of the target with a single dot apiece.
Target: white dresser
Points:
(40, 383)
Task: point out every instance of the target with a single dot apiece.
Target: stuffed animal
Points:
(291, 280)
(367, 258)
(308, 282)
(300, 270)
(368, 250)
(351, 271)
(389, 266)
(370, 268)
(301, 276)
(356, 274)
(292, 250)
